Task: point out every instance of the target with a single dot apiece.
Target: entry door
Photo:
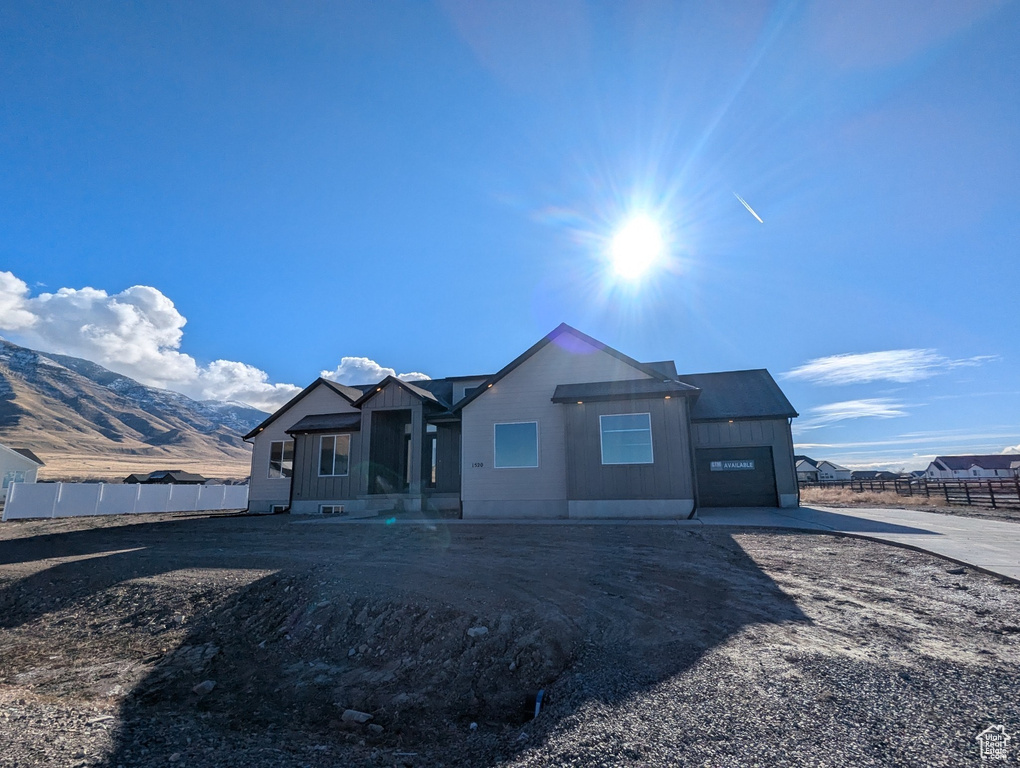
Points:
(736, 477)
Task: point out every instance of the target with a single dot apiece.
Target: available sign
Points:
(732, 465)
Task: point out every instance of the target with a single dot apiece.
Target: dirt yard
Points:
(844, 497)
(242, 641)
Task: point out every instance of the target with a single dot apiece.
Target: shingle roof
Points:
(994, 461)
(350, 394)
(554, 334)
(738, 395)
(29, 455)
(414, 389)
(620, 390)
(327, 422)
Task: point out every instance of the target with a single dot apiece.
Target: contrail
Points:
(749, 208)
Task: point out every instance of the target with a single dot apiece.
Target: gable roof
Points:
(750, 394)
(420, 392)
(798, 458)
(28, 455)
(350, 394)
(805, 465)
(993, 461)
(834, 465)
(560, 330)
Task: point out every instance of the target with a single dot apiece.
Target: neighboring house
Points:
(807, 470)
(166, 477)
(872, 474)
(830, 472)
(970, 467)
(17, 465)
(570, 428)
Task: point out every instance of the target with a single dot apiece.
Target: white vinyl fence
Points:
(29, 500)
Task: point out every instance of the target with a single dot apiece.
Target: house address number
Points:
(478, 464)
(731, 466)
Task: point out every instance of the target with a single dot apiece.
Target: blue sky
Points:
(432, 187)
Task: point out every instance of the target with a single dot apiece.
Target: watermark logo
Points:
(994, 742)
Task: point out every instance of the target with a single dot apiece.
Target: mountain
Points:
(84, 420)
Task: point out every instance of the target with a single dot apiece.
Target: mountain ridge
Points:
(85, 420)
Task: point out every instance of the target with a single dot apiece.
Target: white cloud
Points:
(138, 333)
(363, 370)
(868, 408)
(898, 365)
(1012, 449)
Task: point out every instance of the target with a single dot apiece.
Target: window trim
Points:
(538, 450)
(283, 449)
(602, 447)
(334, 437)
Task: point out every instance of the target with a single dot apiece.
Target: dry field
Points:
(241, 641)
(71, 467)
(844, 497)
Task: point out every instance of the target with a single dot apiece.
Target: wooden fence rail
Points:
(980, 492)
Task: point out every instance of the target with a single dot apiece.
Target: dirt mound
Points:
(303, 648)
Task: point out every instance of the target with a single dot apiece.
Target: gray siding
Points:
(448, 458)
(668, 477)
(307, 483)
(774, 433)
(525, 394)
(264, 492)
(392, 397)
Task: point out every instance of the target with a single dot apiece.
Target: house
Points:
(807, 469)
(17, 465)
(811, 471)
(166, 477)
(970, 467)
(829, 471)
(570, 428)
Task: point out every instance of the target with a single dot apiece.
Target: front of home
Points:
(571, 428)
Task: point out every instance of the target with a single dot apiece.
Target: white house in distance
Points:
(17, 465)
(811, 471)
(970, 467)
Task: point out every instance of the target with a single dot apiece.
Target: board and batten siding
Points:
(525, 394)
(667, 477)
(264, 492)
(310, 486)
(774, 433)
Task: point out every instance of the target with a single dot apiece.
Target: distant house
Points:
(829, 471)
(872, 474)
(166, 477)
(17, 465)
(969, 467)
(811, 471)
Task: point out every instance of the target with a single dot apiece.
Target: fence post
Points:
(966, 490)
(945, 489)
(991, 493)
(927, 495)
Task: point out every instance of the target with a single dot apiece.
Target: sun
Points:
(636, 246)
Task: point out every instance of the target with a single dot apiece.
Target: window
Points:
(332, 509)
(281, 458)
(515, 445)
(14, 476)
(626, 438)
(334, 455)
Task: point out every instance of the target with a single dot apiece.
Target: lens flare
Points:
(636, 247)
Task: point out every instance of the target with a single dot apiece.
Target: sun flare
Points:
(636, 247)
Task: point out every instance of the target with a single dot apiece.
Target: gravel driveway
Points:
(239, 641)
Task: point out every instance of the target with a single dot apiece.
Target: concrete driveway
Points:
(990, 545)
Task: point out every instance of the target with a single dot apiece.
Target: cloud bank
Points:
(138, 333)
(898, 365)
(363, 370)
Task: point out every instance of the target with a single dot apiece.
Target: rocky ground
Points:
(241, 641)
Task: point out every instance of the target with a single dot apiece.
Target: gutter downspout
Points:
(694, 466)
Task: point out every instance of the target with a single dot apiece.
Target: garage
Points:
(736, 477)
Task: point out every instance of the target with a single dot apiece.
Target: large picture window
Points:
(334, 455)
(626, 438)
(515, 445)
(281, 459)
